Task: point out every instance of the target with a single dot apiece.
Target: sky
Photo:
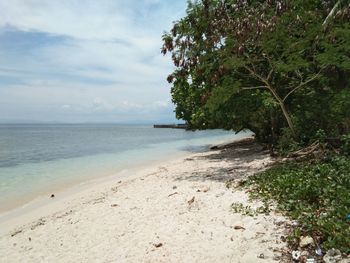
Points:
(85, 60)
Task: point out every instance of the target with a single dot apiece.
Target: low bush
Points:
(316, 194)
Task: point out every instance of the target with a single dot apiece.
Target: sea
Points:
(36, 158)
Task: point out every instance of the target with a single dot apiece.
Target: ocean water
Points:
(37, 158)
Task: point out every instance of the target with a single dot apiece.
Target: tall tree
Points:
(273, 55)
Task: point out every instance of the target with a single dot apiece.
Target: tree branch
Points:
(303, 84)
(331, 13)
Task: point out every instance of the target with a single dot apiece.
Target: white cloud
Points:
(107, 58)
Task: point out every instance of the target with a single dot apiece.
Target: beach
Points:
(177, 211)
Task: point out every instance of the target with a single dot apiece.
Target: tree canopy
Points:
(279, 68)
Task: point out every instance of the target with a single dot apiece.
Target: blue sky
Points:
(85, 60)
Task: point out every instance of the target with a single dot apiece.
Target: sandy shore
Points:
(178, 212)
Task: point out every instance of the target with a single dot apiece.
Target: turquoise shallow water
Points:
(35, 158)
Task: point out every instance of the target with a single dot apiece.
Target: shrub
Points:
(316, 194)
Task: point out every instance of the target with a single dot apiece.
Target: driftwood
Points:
(240, 142)
(307, 151)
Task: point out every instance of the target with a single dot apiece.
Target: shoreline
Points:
(17, 202)
(42, 205)
(66, 191)
(153, 214)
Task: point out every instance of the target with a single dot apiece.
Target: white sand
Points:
(123, 221)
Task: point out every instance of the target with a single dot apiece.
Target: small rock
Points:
(114, 205)
(30, 239)
(306, 241)
(52, 196)
(158, 245)
(332, 256)
(238, 227)
(295, 223)
(296, 255)
(174, 187)
(205, 189)
(261, 256)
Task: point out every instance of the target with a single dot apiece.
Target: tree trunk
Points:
(283, 108)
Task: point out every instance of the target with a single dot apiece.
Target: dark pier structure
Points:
(170, 126)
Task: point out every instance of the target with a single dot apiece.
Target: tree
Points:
(273, 55)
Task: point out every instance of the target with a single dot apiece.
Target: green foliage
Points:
(316, 194)
(345, 142)
(266, 66)
(286, 142)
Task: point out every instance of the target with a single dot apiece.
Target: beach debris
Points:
(310, 260)
(296, 255)
(174, 187)
(319, 252)
(30, 239)
(306, 241)
(173, 194)
(190, 201)
(261, 256)
(40, 222)
(332, 256)
(114, 189)
(204, 189)
(238, 228)
(16, 232)
(157, 245)
(119, 182)
(52, 196)
(114, 205)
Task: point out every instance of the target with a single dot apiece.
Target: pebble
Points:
(306, 241)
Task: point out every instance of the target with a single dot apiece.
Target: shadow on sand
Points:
(243, 158)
